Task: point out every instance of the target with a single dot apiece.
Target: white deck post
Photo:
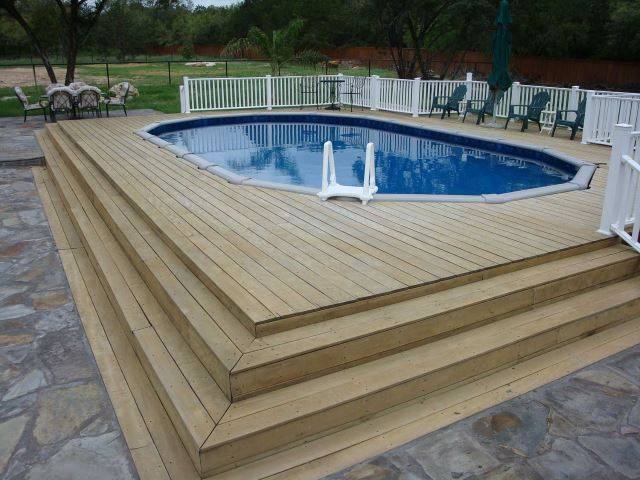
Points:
(267, 80)
(415, 97)
(374, 92)
(469, 83)
(187, 97)
(183, 108)
(515, 93)
(621, 139)
(573, 102)
(589, 118)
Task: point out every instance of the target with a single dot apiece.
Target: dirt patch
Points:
(23, 76)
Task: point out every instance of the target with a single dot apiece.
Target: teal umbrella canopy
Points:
(500, 78)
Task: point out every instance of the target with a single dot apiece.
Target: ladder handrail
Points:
(330, 186)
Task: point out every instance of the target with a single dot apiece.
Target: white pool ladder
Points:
(331, 188)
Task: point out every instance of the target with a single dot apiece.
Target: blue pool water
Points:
(288, 149)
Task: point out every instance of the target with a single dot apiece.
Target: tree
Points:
(13, 10)
(279, 47)
(77, 17)
(407, 25)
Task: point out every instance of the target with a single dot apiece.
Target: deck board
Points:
(285, 254)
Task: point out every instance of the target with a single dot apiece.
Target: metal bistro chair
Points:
(309, 88)
(119, 100)
(30, 107)
(88, 100)
(61, 100)
(356, 87)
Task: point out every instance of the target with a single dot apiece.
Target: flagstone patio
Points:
(56, 419)
(584, 426)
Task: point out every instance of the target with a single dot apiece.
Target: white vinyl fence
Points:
(621, 211)
(604, 109)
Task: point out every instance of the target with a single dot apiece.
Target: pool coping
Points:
(580, 180)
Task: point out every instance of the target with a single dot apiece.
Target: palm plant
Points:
(279, 48)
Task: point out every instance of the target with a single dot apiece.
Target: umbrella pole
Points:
(493, 123)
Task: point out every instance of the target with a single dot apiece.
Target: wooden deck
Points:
(282, 259)
(253, 333)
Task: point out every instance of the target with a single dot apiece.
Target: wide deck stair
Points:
(253, 403)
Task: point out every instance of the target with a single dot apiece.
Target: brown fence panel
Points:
(587, 73)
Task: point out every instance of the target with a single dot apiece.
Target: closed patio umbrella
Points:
(499, 80)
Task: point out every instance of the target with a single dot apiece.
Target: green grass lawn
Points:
(163, 98)
(152, 81)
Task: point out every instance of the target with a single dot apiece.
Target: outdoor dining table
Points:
(335, 92)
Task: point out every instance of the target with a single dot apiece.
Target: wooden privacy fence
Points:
(415, 97)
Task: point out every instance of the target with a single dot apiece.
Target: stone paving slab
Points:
(18, 145)
(56, 419)
(585, 426)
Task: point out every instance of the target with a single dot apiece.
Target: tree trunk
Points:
(72, 55)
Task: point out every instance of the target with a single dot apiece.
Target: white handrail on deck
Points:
(330, 186)
(622, 194)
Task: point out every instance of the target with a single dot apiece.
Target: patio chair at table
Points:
(120, 99)
(529, 113)
(447, 104)
(480, 108)
(30, 107)
(562, 119)
(88, 100)
(61, 100)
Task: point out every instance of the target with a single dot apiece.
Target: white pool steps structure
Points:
(330, 186)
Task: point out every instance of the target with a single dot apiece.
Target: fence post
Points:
(269, 93)
(415, 97)
(515, 93)
(469, 83)
(183, 108)
(573, 102)
(621, 145)
(187, 96)
(374, 92)
(169, 67)
(108, 79)
(589, 118)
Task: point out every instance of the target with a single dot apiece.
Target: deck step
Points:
(193, 400)
(324, 454)
(210, 329)
(255, 426)
(291, 357)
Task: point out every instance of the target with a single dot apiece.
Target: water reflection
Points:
(292, 153)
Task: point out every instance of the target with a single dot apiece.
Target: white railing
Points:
(202, 94)
(331, 187)
(621, 208)
(604, 109)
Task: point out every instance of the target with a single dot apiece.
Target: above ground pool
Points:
(284, 150)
